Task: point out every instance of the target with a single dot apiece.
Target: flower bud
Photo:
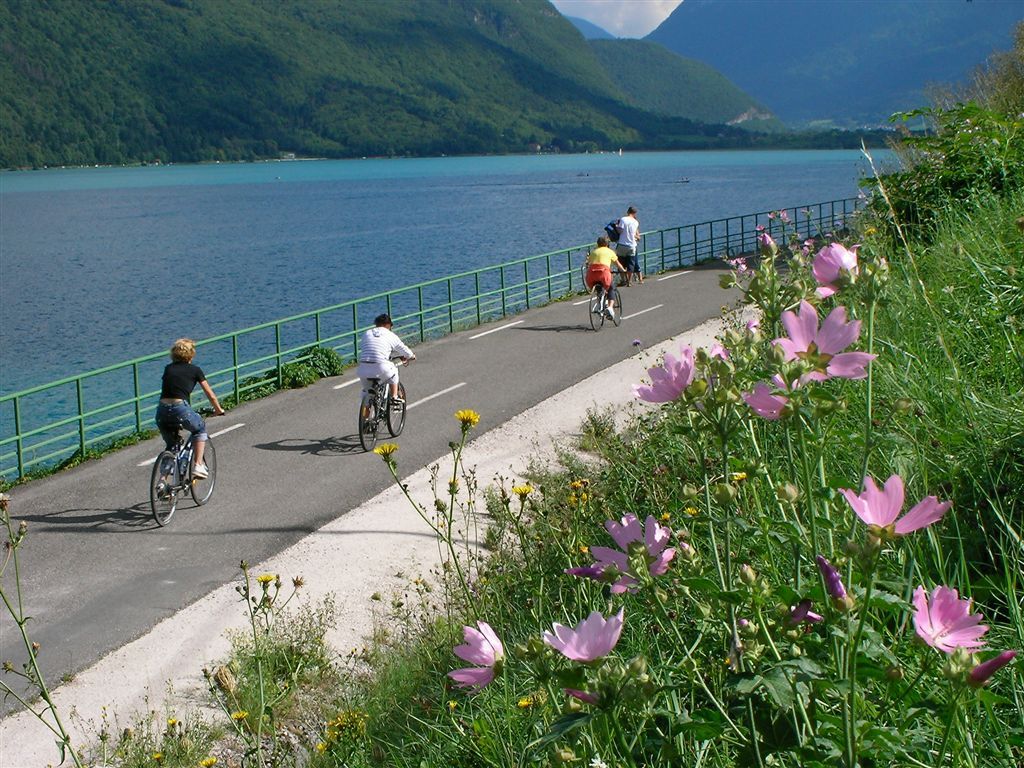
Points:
(747, 575)
(690, 492)
(787, 493)
(724, 493)
(903, 405)
(893, 673)
(637, 667)
(697, 388)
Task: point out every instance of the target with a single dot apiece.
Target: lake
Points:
(99, 265)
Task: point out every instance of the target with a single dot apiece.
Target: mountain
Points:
(844, 62)
(654, 78)
(589, 30)
(85, 82)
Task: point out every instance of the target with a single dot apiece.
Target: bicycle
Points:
(172, 477)
(376, 406)
(599, 308)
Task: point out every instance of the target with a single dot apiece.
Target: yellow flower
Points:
(171, 722)
(522, 491)
(665, 517)
(739, 477)
(321, 747)
(584, 549)
(239, 715)
(208, 762)
(158, 756)
(467, 418)
(691, 511)
(386, 450)
(452, 704)
(576, 484)
(870, 231)
(583, 498)
(572, 498)
(266, 578)
(525, 702)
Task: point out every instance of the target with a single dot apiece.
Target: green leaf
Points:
(560, 727)
(703, 725)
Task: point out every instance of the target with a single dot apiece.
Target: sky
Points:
(622, 18)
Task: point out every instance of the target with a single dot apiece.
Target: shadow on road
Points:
(134, 518)
(325, 447)
(555, 328)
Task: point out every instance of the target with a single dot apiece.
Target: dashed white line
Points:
(224, 431)
(649, 309)
(495, 330)
(436, 394)
(227, 429)
(347, 384)
(674, 274)
(577, 303)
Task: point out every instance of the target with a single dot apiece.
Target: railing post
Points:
(451, 309)
(234, 368)
(277, 342)
(547, 260)
(476, 276)
(419, 293)
(81, 417)
(19, 442)
(355, 333)
(138, 398)
(504, 307)
(526, 282)
(317, 316)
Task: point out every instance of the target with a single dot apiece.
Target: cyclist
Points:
(600, 261)
(180, 378)
(376, 349)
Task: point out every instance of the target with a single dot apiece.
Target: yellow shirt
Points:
(604, 256)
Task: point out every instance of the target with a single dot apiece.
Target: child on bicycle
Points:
(180, 378)
(599, 270)
(376, 349)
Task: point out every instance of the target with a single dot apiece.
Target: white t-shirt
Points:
(629, 231)
(379, 345)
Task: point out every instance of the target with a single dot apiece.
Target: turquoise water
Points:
(100, 265)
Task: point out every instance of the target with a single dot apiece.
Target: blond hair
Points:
(183, 350)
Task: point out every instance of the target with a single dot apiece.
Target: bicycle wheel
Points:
(368, 421)
(596, 313)
(202, 490)
(616, 296)
(163, 497)
(396, 416)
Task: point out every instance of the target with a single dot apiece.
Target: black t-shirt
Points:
(180, 379)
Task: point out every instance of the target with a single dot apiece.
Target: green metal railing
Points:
(45, 425)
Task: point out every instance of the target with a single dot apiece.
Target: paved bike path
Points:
(96, 570)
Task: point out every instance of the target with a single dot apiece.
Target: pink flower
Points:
(768, 246)
(833, 581)
(833, 266)
(801, 612)
(880, 508)
(753, 325)
(482, 648)
(668, 380)
(823, 348)
(655, 540)
(591, 639)
(981, 673)
(945, 621)
(717, 350)
(584, 696)
(784, 215)
(765, 404)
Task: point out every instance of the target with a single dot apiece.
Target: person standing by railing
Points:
(180, 378)
(629, 237)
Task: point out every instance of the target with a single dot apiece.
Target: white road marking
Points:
(649, 309)
(436, 394)
(674, 274)
(147, 462)
(495, 330)
(347, 384)
(227, 429)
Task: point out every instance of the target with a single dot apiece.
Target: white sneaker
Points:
(200, 472)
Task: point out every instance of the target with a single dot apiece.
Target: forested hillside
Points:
(187, 80)
(654, 78)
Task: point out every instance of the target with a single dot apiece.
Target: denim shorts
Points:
(168, 417)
